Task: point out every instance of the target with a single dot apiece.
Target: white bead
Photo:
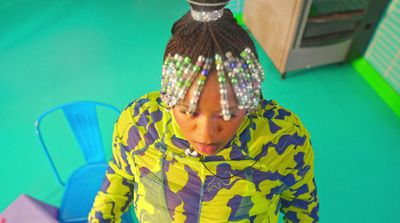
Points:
(227, 117)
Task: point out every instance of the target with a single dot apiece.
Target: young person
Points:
(208, 147)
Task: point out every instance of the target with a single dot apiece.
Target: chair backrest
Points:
(83, 121)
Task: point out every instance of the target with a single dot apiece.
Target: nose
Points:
(207, 129)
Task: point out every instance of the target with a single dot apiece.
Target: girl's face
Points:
(206, 130)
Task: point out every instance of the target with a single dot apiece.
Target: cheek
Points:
(230, 128)
(180, 119)
(184, 126)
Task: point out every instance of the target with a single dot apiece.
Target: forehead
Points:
(210, 97)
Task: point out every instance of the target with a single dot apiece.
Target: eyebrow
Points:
(231, 109)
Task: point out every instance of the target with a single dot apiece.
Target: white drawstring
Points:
(190, 152)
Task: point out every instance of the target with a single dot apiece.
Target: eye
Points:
(233, 115)
(184, 112)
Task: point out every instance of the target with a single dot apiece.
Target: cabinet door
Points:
(274, 25)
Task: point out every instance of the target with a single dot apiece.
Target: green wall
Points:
(383, 52)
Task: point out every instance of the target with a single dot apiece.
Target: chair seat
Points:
(80, 192)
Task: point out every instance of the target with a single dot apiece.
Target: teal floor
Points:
(111, 51)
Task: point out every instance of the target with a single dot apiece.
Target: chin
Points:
(207, 151)
(207, 154)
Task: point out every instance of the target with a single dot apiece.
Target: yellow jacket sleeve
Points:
(116, 193)
(299, 202)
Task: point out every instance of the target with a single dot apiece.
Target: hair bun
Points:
(207, 5)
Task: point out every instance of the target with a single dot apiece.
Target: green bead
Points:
(186, 60)
(234, 81)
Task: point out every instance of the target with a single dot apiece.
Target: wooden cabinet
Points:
(298, 34)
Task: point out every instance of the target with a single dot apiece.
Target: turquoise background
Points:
(111, 51)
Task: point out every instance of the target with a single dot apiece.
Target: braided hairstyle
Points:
(218, 43)
(193, 38)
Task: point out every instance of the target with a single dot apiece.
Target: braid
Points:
(192, 38)
(221, 44)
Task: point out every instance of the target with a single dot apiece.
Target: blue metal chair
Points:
(83, 184)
